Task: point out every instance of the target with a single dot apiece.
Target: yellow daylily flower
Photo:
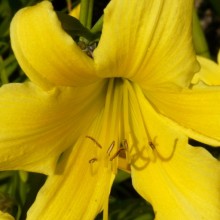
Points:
(134, 93)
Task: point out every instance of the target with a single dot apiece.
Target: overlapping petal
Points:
(145, 129)
(198, 110)
(75, 12)
(181, 182)
(36, 126)
(47, 54)
(83, 180)
(185, 187)
(209, 72)
(149, 133)
(77, 193)
(151, 44)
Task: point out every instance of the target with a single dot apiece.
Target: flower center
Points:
(108, 155)
(131, 136)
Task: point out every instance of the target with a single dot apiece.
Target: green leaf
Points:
(199, 39)
(75, 29)
(121, 176)
(216, 5)
(129, 209)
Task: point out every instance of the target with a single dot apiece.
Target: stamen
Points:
(124, 147)
(151, 144)
(153, 147)
(126, 154)
(117, 153)
(93, 160)
(95, 141)
(111, 148)
(125, 144)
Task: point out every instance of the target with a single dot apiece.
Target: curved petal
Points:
(36, 126)
(185, 187)
(5, 216)
(75, 12)
(209, 72)
(78, 192)
(47, 54)
(85, 175)
(198, 110)
(147, 132)
(151, 44)
(165, 170)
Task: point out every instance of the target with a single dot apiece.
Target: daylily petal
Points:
(184, 187)
(145, 130)
(198, 110)
(75, 12)
(47, 54)
(157, 157)
(77, 193)
(83, 183)
(36, 126)
(150, 44)
(5, 216)
(209, 72)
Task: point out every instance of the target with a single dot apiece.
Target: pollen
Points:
(110, 158)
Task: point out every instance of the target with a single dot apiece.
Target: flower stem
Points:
(199, 39)
(98, 25)
(3, 73)
(69, 5)
(90, 13)
(86, 10)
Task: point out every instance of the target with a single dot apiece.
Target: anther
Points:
(153, 147)
(151, 144)
(95, 141)
(111, 148)
(125, 144)
(93, 160)
(117, 153)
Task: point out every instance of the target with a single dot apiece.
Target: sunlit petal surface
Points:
(197, 109)
(47, 54)
(184, 187)
(84, 176)
(136, 100)
(150, 45)
(37, 125)
(209, 73)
